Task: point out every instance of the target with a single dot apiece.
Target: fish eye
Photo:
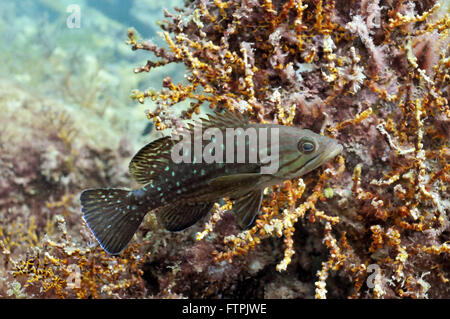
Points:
(306, 146)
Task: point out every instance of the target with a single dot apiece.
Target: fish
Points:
(221, 156)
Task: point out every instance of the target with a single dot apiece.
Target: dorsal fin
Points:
(218, 120)
(225, 119)
(154, 157)
(151, 159)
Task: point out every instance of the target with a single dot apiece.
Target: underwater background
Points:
(85, 84)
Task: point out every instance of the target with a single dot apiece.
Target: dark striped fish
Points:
(228, 157)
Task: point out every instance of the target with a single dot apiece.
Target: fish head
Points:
(301, 151)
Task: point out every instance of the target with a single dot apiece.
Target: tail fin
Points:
(112, 215)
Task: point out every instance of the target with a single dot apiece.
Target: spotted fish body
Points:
(183, 192)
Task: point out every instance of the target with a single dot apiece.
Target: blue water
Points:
(41, 39)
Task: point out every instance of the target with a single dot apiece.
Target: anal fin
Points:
(247, 207)
(178, 217)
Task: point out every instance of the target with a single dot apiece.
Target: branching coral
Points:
(271, 224)
(359, 72)
(64, 270)
(44, 163)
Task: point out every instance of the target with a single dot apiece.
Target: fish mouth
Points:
(321, 158)
(337, 149)
(311, 160)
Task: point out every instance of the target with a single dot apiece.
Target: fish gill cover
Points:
(372, 223)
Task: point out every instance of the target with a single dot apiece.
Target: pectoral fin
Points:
(235, 186)
(247, 207)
